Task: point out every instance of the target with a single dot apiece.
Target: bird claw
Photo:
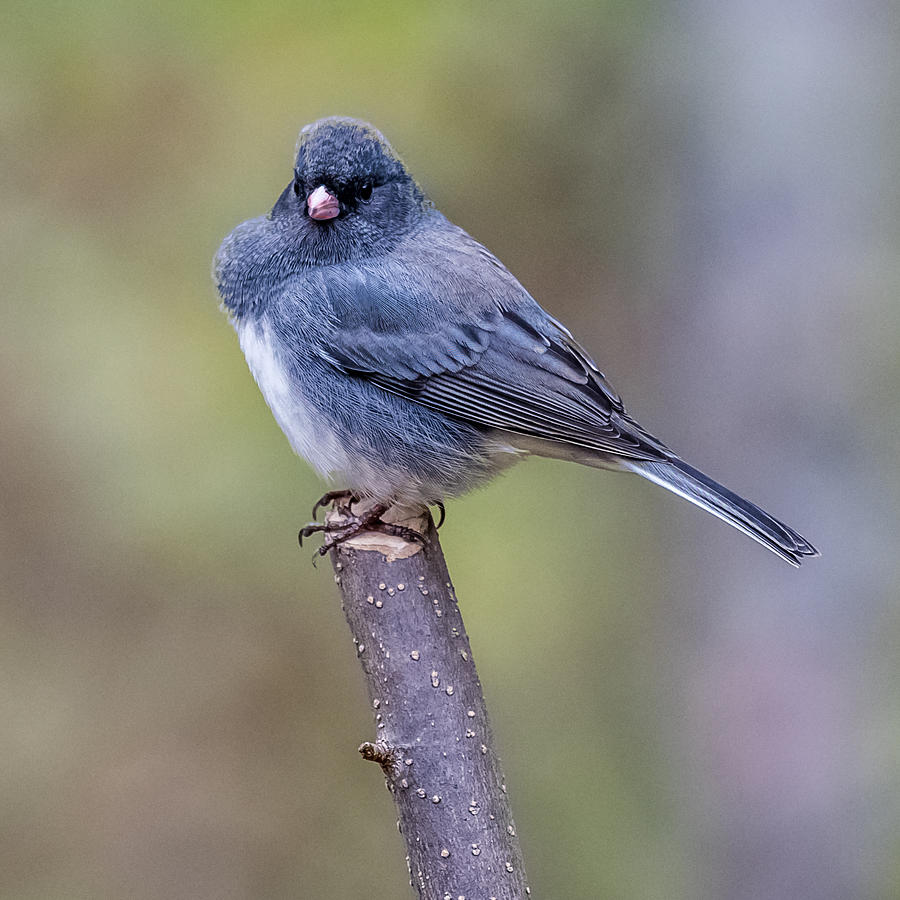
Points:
(350, 524)
(334, 497)
(400, 531)
(309, 530)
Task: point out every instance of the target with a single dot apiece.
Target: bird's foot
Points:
(348, 524)
(342, 501)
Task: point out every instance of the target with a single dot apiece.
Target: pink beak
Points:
(322, 204)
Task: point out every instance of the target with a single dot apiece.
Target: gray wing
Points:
(451, 329)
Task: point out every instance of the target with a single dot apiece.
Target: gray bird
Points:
(402, 359)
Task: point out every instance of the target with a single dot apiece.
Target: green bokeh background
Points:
(180, 703)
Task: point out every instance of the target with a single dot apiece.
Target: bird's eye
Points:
(365, 192)
(298, 187)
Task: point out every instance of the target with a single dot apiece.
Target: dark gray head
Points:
(350, 197)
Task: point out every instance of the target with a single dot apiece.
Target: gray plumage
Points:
(402, 359)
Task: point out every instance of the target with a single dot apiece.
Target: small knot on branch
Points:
(386, 756)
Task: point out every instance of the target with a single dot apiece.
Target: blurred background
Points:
(707, 194)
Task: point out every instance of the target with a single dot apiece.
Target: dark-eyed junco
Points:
(404, 361)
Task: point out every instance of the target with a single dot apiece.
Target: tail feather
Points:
(693, 485)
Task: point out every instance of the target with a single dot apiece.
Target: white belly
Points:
(310, 435)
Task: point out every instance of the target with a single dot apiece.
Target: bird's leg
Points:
(350, 524)
(439, 504)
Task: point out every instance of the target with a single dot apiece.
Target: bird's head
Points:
(350, 195)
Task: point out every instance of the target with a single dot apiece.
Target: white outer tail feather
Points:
(688, 482)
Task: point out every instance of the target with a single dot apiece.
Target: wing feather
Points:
(483, 353)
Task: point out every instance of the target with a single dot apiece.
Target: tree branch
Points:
(433, 741)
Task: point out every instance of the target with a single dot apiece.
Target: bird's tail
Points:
(693, 485)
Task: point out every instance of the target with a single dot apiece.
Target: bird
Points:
(404, 361)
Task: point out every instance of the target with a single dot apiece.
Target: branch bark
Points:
(432, 737)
